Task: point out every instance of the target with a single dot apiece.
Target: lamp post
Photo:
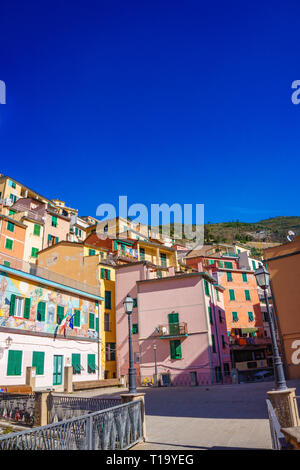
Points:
(128, 306)
(263, 280)
(155, 366)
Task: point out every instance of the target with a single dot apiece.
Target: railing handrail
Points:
(67, 421)
(275, 429)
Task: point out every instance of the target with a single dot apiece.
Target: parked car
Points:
(263, 375)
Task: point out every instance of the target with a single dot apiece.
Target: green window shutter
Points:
(235, 316)
(213, 343)
(91, 363)
(56, 239)
(91, 253)
(54, 221)
(253, 265)
(77, 318)
(175, 349)
(163, 259)
(221, 264)
(10, 212)
(49, 238)
(60, 313)
(6, 263)
(38, 361)
(142, 254)
(9, 244)
(228, 265)
(135, 302)
(12, 305)
(250, 316)
(76, 363)
(210, 316)
(135, 328)
(247, 295)
(108, 299)
(231, 294)
(41, 311)
(244, 275)
(211, 261)
(173, 323)
(10, 226)
(229, 277)
(206, 287)
(14, 362)
(108, 274)
(91, 321)
(37, 230)
(102, 275)
(218, 295)
(34, 252)
(97, 324)
(27, 307)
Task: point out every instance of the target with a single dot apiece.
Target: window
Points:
(210, 316)
(10, 227)
(250, 316)
(235, 316)
(37, 230)
(223, 342)
(92, 364)
(110, 351)
(34, 252)
(91, 321)
(19, 306)
(231, 294)
(213, 342)
(218, 373)
(244, 275)
(173, 323)
(9, 244)
(76, 364)
(211, 261)
(163, 259)
(10, 212)
(54, 221)
(13, 198)
(12, 184)
(175, 349)
(221, 264)
(135, 302)
(41, 308)
(106, 322)
(52, 240)
(14, 362)
(105, 274)
(253, 265)
(247, 295)
(6, 263)
(206, 287)
(135, 328)
(218, 295)
(77, 318)
(60, 313)
(91, 252)
(142, 254)
(229, 277)
(107, 299)
(220, 316)
(38, 361)
(228, 264)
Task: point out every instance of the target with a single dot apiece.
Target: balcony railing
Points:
(172, 329)
(44, 273)
(249, 341)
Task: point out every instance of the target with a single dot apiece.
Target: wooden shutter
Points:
(12, 304)
(231, 294)
(59, 314)
(76, 363)
(41, 311)
(244, 277)
(206, 288)
(38, 360)
(14, 362)
(210, 316)
(247, 295)
(77, 318)
(91, 363)
(91, 321)
(229, 276)
(27, 307)
(108, 274)
(102, 273)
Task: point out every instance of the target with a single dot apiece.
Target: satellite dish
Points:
(291, 235)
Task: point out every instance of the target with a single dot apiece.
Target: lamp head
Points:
(262, 277)
(128, 304)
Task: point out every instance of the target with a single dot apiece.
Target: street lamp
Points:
(155, 365)
(128, 306)
(263, 280)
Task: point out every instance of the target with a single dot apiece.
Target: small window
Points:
(247, 295)
(244, 275)
(76, 364)
(175, 349)
(37, 230)
(223, 342)
(76, 317)
(9, 244)
(92, 364)
(210, 316)
(10, 227)
(41, 309)
(135, 302)
(91, 252)
(229, 277)
(250, 316)
(91, 321)
(60, 314)
(135, 328)
(54, 221)
(206, 287)
(38, 361)
(213, 342)
(231, 294)
(107, 299)
(228, 265)
(106, 322)
(6, 263)
(235, 316)
(34, 252)
(14, 362)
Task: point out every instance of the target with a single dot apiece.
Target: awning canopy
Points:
(249, 330)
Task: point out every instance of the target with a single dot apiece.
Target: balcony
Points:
(249, 341)
(172, 330)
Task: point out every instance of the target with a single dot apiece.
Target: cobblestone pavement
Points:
(212, 417)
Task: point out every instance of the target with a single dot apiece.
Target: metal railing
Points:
(117, 428)
(62, 407)
(172, 329)
(44, 273)
(278, 440)
(17, 408)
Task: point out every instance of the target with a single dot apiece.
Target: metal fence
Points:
(278, 439)
(62, 407)
(17, 408)
(116, 428)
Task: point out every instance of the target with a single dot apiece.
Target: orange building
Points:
(283, 263)
(249, 347)
(12, 240)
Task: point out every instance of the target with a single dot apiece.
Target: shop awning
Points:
(249, 330)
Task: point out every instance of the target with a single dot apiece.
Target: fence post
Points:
(68, 379)
(128, 397)
(41, 401)
(89, 433)
(285, 406)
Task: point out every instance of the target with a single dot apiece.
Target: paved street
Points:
(214, 417)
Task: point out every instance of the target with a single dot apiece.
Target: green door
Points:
(173, 323)
(57, 370)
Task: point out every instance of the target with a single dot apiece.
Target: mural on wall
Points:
(52, 298)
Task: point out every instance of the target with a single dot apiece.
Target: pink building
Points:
(183, 317)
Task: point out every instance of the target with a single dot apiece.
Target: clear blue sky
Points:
(163, 101)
